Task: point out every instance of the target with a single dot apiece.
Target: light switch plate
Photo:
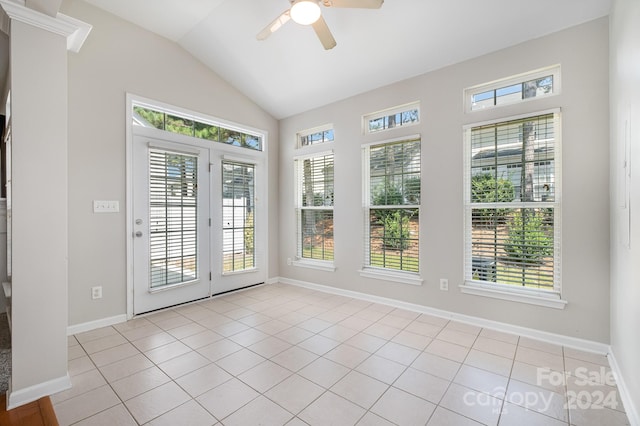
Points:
(106, 206)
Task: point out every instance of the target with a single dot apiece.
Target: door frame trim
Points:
(255, 156)
(129, 202)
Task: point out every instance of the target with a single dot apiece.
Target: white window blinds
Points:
(315, 186)
(173, 218)
(238, 216)
(392, 205)
(512, 199)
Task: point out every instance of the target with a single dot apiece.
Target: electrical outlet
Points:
(444, 284)
(96, 292)
(289, 261)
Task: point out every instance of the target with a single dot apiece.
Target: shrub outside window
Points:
(392, 205)
(314, 199)
(512, 202)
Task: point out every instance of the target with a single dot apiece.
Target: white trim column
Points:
(39, 244)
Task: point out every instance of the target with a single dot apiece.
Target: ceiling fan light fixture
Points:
(305, 12)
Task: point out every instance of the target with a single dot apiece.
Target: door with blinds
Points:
(238, 232)
(171, 241)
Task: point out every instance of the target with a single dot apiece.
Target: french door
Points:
(195, 221)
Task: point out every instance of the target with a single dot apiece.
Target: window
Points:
(514, 89)
(173, 218)
(185, 125)
(512, 208)
(315, 136)
(392, 205)
(314, 179)
(238, 211)
(402, 116)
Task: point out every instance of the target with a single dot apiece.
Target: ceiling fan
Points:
(307, 12)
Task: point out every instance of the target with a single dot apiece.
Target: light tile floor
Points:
(279, 354)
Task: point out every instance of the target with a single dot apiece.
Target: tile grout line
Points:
(320, 307)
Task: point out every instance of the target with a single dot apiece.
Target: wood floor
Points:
(36, 413)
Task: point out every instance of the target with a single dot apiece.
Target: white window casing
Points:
(513, 200)
(391, 209)
(315, 136)
(392, 118)
(238, 216)
(518, 88)
(173, 205)
(314, 195)
(181, 122)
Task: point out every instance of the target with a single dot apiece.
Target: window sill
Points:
(386, 275)
(532, 297)
(319, 265)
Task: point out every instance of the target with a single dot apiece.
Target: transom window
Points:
(315, 136)
(514, 89)
(189, 126)
(402, 116)
(314, 200)
(392, 204)
(512, 203)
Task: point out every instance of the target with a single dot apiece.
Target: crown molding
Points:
(75, 31)
(18, 12)
(77, 39)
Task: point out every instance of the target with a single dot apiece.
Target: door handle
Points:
(138, 234)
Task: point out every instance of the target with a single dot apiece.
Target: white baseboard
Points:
(24, 396)
(32, 393)
(558, 339)
(92, 325)
(629, 403)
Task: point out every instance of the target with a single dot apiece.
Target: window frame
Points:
(319, 264)
(226, 159)
(367, 118)
(308, 132)
(216, 152)
(542, 297)
(470, 92)
(165, 183)
(222, 125)
(376, 272)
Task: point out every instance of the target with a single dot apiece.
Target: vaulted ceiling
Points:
(290, 72)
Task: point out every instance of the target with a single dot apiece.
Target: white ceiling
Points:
(290, 72)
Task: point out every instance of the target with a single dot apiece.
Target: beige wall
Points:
(625, 264)
(119, 57)
(583, 53)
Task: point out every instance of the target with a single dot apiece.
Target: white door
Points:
(238, 231)
(199, 226)
(171, 204)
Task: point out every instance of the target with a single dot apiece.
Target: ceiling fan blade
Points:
(275, 25)
(359, 4)
(324, 34)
